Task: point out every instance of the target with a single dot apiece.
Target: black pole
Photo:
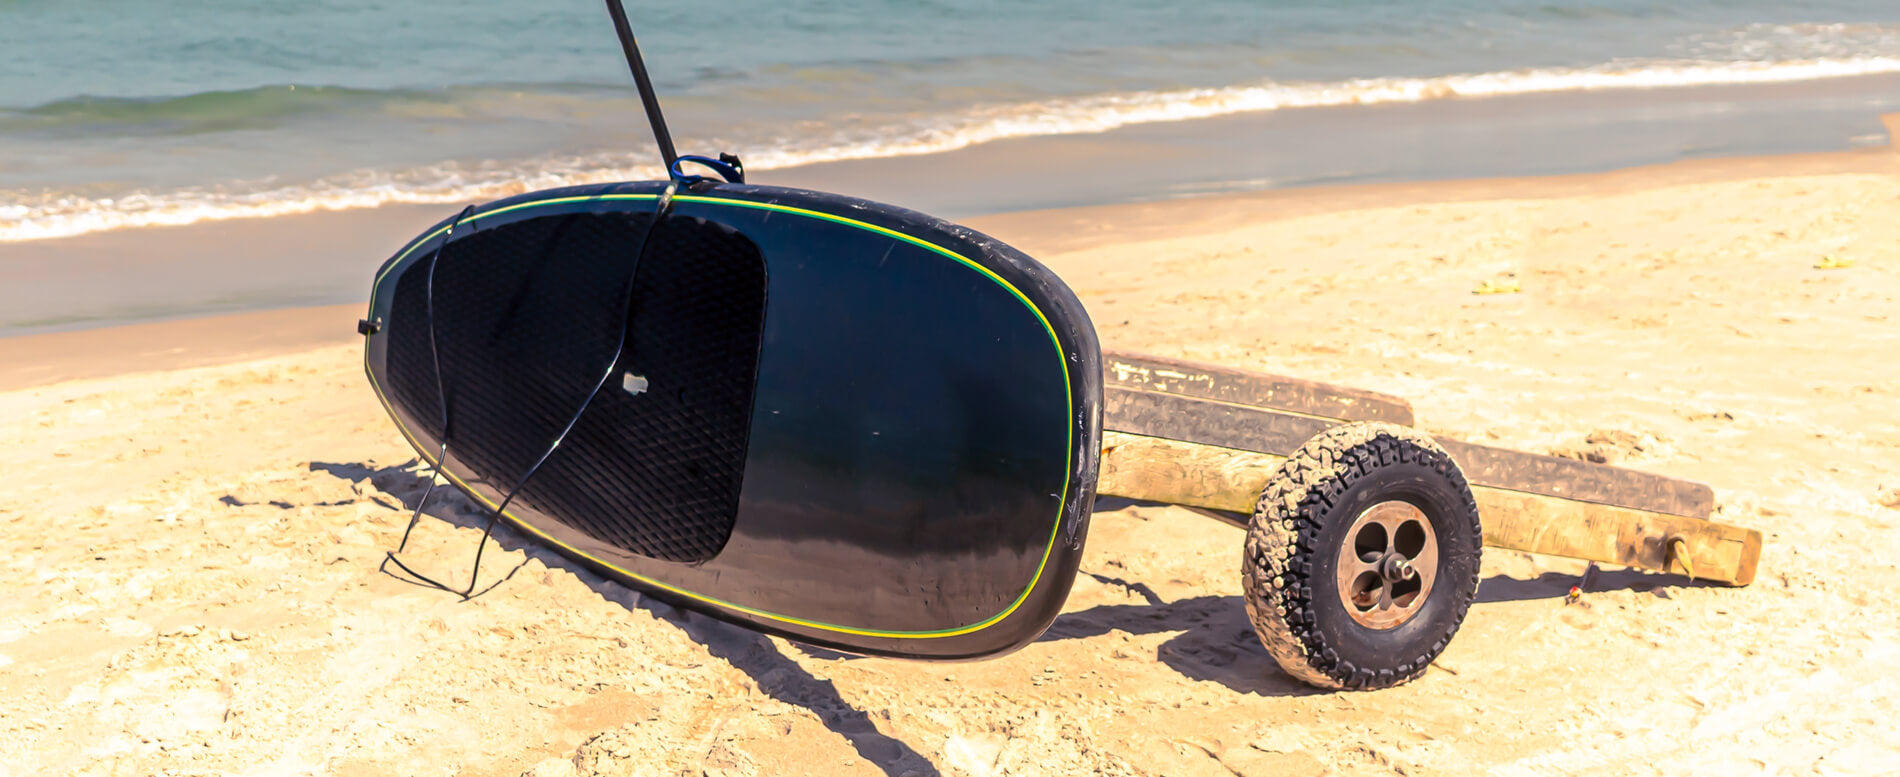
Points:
(639, 67)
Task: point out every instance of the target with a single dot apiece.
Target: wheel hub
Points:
(1396, 568)
(1387, 564)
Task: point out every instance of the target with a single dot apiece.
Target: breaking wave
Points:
(56, 215)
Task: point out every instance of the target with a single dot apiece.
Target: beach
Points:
(196, 511)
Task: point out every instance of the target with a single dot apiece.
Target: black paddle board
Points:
(839, 421)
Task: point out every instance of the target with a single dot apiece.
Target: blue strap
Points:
(730, 172)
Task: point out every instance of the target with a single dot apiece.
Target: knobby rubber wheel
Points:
(1362, 557)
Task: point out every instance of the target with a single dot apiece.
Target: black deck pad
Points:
(834, 420)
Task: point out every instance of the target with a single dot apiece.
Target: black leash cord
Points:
(664, 205)
(441, 393)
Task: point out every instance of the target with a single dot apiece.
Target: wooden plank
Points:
(1264, 430)
(1614, 535)
(1254, 389)
(1217, 478)
(1583, 481)
(1207, 422)
(1161, 470)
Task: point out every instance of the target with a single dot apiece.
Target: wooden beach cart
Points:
(1334, 480)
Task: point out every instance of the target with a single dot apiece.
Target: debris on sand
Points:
(1609, 446)
(1888, 497)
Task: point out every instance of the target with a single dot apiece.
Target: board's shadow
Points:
(758, 656)
(1216, 642)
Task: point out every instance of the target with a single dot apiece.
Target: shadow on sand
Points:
(1556, 585)
(1216, 643)
(759, 657)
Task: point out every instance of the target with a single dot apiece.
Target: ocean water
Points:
(118, 114)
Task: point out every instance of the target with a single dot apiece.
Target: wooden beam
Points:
(1255, 389)
(1157, 470)
(1268, 430)
(1219, 478)
(1534, 473)
(1615, 535)
(1211, 423)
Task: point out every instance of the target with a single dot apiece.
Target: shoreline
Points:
(229, 330)
(1298, 161)
(1353, 131)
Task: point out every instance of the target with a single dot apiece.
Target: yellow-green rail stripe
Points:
(1062, 357)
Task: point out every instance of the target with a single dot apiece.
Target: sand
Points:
(192, 582)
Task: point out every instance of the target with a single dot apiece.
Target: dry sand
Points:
(192, 585)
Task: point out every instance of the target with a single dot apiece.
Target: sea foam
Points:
(48, 216)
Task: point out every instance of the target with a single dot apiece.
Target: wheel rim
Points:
(1387, 565)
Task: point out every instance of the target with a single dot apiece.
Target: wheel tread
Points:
(1284, 533)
